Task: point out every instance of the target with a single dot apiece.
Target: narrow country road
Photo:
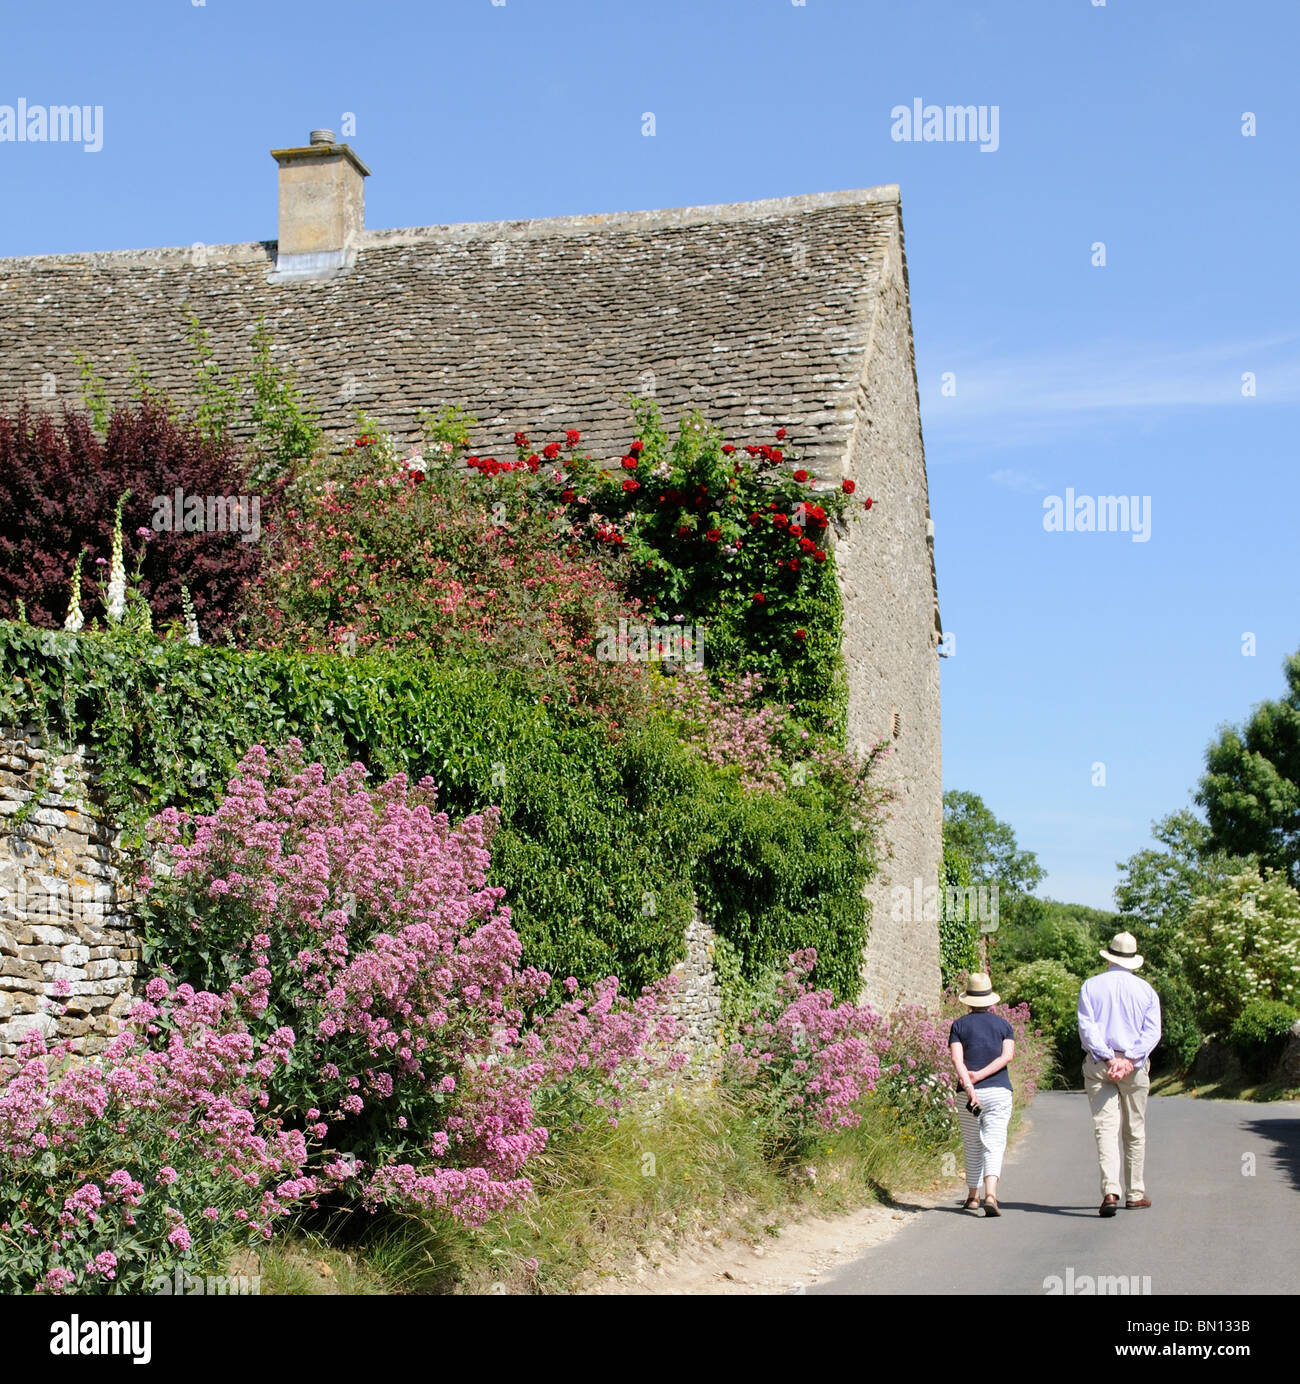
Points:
(1224, 1177)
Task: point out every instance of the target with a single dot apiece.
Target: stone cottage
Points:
(791, 312)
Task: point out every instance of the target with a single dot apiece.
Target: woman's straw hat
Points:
(1123, 951)
(980, 993)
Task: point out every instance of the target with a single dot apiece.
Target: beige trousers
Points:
(1119, 1115)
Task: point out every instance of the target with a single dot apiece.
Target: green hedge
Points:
(603, 839)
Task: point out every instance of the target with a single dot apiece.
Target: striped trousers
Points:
(984, 1140)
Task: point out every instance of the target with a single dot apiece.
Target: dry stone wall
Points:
(67, 939)
(697, 1004)
(65, 932)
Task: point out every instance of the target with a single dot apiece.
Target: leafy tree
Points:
(995, 858)
(1251, 786)
(989, 845)
(1156, 892)
(1157, 888)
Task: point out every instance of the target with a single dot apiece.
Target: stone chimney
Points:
(322, 209)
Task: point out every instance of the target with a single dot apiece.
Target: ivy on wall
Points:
(604, 838)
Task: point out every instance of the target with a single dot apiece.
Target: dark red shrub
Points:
(59, 488)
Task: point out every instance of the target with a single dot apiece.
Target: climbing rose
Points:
(848, 487)
(801, 475)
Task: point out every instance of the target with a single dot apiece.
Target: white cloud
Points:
(1030, 397)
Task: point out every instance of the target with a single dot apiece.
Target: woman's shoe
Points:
(991, 1206)
(971, 1204)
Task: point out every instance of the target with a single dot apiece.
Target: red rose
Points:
(806, 545)
(417, 475)
(801, 476)
(471, 461)
(866, 504)
(683, 531)
(775, 455)
(551, 451)
(630, 484)
(755, 520)
(819, 556)
(521, 440)
(758, 598)
(795, 531)
(848, 487)
(793, 564)
(728, 448)
(713, 534)
(637, 447)
(573, 437)
(629, 463)
(566, 496)
(780, 434)
(801, 634)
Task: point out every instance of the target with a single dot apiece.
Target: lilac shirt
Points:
(1118, 1011)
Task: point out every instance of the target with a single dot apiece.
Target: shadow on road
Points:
(1041, 1210)
(1285, 1136)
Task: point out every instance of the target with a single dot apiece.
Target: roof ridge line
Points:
(253, 250)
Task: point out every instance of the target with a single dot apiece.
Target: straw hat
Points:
(980, 993)
(1123, 951)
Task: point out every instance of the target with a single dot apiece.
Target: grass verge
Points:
(690, 1172)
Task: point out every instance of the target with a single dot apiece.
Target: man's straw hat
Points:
(1123, 951)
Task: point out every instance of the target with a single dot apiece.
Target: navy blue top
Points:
(980, 1034)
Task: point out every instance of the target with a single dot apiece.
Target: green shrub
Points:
(1052, 995)
(1259, 1033)
(1180, 1034)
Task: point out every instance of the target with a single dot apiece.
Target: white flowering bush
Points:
(1242, 944)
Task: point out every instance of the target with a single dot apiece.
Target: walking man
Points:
(1119, 1025)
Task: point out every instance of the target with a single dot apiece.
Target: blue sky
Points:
(1120, 123)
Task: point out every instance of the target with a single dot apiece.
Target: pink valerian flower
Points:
(413, 992)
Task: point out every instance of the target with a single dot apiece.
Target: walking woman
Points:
(981, 1045)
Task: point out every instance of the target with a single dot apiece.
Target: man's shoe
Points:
(1109, 1204)
(1137, 1203)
